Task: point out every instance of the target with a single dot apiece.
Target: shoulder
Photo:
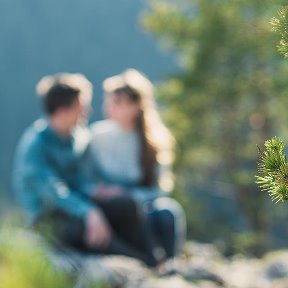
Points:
(32, 141)
(104, 134)
(34, 134)
(104, 127)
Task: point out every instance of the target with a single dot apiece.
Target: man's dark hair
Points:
(62, 90)
(58, 96)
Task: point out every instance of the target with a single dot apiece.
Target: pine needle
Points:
(273, 170)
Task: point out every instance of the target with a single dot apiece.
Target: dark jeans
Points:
(168, 224)
(131, 235)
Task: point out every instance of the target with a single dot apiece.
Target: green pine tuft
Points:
(273, 170)
(280, 25)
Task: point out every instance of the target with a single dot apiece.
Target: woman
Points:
(133, 152)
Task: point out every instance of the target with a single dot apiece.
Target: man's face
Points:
(75, 114)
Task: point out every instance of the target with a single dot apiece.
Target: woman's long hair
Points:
(157, 143)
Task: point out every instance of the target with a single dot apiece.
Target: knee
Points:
(166, 218)
(169, 208)
(165, 212)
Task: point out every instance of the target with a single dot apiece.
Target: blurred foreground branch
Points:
(273, 166)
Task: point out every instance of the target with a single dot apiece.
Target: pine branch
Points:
(273, 170)
(280, 25)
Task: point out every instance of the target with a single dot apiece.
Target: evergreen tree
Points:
(273, 166)
(228, 96)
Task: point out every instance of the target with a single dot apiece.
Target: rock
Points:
(242, 273)
(200, 266)
(275, 265)
(67, 261)
(167, 282)
(197, 273)
(208, 284)
(116, 271)
(191, 271)
(125, 272)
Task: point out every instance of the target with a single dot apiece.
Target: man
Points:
(50, 184)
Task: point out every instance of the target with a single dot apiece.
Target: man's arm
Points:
(38, 184)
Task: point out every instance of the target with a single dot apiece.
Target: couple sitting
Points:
(98, 189)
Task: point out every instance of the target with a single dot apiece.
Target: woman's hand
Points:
(106, 192)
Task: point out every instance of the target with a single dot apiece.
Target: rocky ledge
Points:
(202, 266)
